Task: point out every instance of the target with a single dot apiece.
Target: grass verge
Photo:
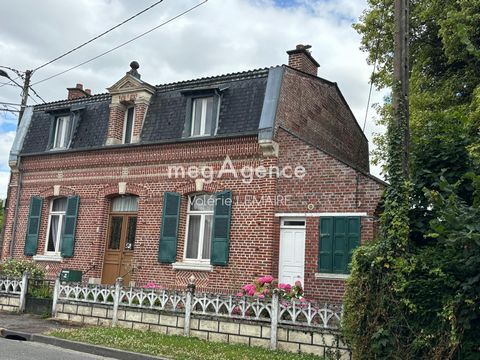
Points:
(172, 346)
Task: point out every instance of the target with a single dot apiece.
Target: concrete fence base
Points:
(295, 339)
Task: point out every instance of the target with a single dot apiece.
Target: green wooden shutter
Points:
(353, 237)
(33, 226)
(221, 228)
(340, 245)
(68, 234)
(167, 249)
(325, 246)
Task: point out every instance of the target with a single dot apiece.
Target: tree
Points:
(423, 303)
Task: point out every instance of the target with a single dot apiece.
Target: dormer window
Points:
(63, 129)
(128, 125)
(203, 117)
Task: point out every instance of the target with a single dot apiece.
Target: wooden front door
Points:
(118, 260)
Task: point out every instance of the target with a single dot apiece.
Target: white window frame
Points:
(201, 233)
(288, 226)
(59, 230)
(64, 137)
(203, 116)
(124, 131)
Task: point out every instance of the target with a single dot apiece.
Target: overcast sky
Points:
(221, 36)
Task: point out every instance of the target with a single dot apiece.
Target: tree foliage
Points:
(415, 292)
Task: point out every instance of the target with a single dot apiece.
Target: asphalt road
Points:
(26, 350)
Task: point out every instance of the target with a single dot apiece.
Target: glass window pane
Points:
(196, 117)
(115, 232)
(203, 202)
(52, 235)
(207, 237)
(59, 132)
(209, 117)
(193, 236)
(131, 229)
(125, 204)
(59, 204)
(129, 126)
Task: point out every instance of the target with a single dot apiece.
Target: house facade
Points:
(226, 178)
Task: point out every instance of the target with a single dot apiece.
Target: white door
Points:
(292, 251)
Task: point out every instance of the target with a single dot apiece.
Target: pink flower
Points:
(239, 294)
(302, 299)
(298, 284)
(265, 279)
(248, 287)
(266, 291)
(261, 296)
(285, 287)
(251, 292)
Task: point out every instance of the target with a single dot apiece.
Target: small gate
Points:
(39, 299)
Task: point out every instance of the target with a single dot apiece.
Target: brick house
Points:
(227, 178)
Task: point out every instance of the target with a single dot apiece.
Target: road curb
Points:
(78, 346)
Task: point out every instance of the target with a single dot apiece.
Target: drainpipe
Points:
(17, 205)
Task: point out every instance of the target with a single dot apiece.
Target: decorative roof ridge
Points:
(241, 75)
(59, 103)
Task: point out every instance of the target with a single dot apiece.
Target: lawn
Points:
(172, 346)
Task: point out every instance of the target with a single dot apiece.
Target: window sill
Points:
(52, 258)
(329, 276)
(192, 266)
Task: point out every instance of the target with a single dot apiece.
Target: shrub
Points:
(16, 268)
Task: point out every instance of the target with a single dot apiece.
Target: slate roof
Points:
(240, 109)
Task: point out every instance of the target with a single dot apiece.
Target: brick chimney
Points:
(78, 92)
(301, 59)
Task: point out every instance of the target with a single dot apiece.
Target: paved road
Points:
(26, 350)
(32, 324)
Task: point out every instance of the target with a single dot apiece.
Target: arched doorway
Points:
(122, 226)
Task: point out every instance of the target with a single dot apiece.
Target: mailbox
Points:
(69, 275)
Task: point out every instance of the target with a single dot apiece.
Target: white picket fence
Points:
(15, 287)
(292, 312)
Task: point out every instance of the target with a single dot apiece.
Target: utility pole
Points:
(400, 80)
(26, 86)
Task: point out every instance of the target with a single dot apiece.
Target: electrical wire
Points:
(123, 44)
(98, 36)
(36, 94)
(375, 62)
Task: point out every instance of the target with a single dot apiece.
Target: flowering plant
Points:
(264, 286)
(153, 286)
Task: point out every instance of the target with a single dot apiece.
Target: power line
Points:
(36, 94)
(377, 50)
(99, 36)
(123, 44)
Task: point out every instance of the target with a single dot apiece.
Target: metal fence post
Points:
(274, 321)
(116, 300)
(23, 292)
(56, 293)
(188, 305)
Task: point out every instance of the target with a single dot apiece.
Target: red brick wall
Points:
(255, 231)
(330, 186)
(314, 110)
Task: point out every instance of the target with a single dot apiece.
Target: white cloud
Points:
(219, 37)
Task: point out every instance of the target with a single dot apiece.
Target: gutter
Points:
(15, 163)
(17, 204)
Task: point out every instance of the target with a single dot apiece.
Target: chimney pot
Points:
(301, 59)
(78, 92)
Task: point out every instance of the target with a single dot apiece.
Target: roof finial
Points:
(133, 69)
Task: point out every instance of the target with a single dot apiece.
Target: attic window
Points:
(63, 128)
(203, 120)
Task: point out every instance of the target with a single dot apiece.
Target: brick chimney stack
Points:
(301, 59)
(78, 92)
